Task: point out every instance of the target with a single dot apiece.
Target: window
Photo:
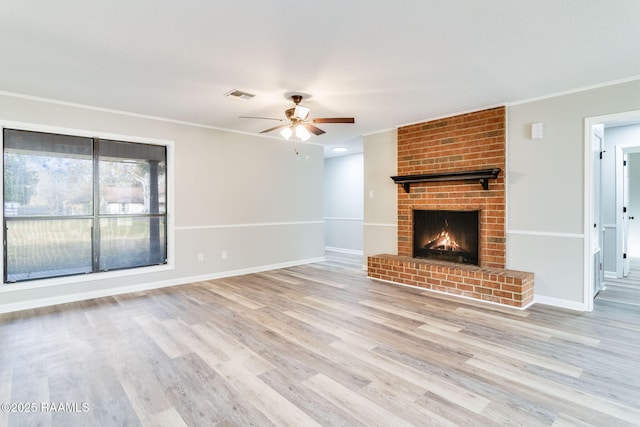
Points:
(77, 205)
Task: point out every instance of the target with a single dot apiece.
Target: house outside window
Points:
(78, 205)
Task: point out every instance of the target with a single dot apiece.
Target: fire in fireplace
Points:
(446, 235)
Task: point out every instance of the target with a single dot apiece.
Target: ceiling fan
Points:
(298, 124)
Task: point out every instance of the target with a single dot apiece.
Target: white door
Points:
(597, 148)
(625, 215)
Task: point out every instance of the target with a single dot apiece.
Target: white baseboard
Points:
(610, 275)
(343, 250)
(561, 303)
(63, 299)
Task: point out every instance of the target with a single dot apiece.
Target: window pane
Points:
(50, 184)
(48, 248)
(46, 175)
(132, 242)
(132, 178)
(21, 141)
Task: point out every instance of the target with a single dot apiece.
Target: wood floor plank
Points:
(333, 328)
(435, 297)
(368, 412)
(426, 320)
(374, 316)
(320, 409)
(34, 389)
(564, 420)
(168, 418)
(141, 385)
(6, 379)
(202, 397)
(232, 348)
(273, 405)
(106, 398)
(577, 397)
(309, 278)
(164, 339)
(322, 344)
(470, 344)
(218, 288)
(279, 277)
(194, 343)
(299, 359)
(429, 382)
(454, 413)
(387, 396)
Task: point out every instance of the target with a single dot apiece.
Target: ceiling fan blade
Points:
(264, 118)
(313, 129)
(335, 120)
(274, 128)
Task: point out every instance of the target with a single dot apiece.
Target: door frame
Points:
(597, 232)
(629, 117)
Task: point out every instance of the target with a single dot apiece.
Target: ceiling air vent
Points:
(238, 94)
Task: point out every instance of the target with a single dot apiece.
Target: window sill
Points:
(80, 278)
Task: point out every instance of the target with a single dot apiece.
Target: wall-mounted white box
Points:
(537, 130)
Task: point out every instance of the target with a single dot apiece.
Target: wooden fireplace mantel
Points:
(481, 176)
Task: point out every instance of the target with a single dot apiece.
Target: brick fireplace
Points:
(437, 151)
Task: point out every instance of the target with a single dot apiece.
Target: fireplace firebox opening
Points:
(446, 235)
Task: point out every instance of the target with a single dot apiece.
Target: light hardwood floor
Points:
(624, 291)
(319, 344)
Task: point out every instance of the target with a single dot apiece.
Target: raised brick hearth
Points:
(514, 288)
(467, 142)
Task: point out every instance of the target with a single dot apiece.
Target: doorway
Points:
(624, 292)
(606, 218)
(627, 204)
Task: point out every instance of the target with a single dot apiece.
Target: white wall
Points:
(545, 184)
(380, 193)
(249, 196)
(343, 203)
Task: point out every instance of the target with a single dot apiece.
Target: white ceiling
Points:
(385, 63)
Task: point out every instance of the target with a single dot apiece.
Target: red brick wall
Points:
(466, 142)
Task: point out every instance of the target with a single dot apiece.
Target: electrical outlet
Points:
(224, 254)
(200, 256)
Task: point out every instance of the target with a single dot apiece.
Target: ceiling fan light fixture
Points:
(286, 132)
(301, 113)
(302, 133)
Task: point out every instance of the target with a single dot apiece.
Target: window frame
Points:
(99, 275)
